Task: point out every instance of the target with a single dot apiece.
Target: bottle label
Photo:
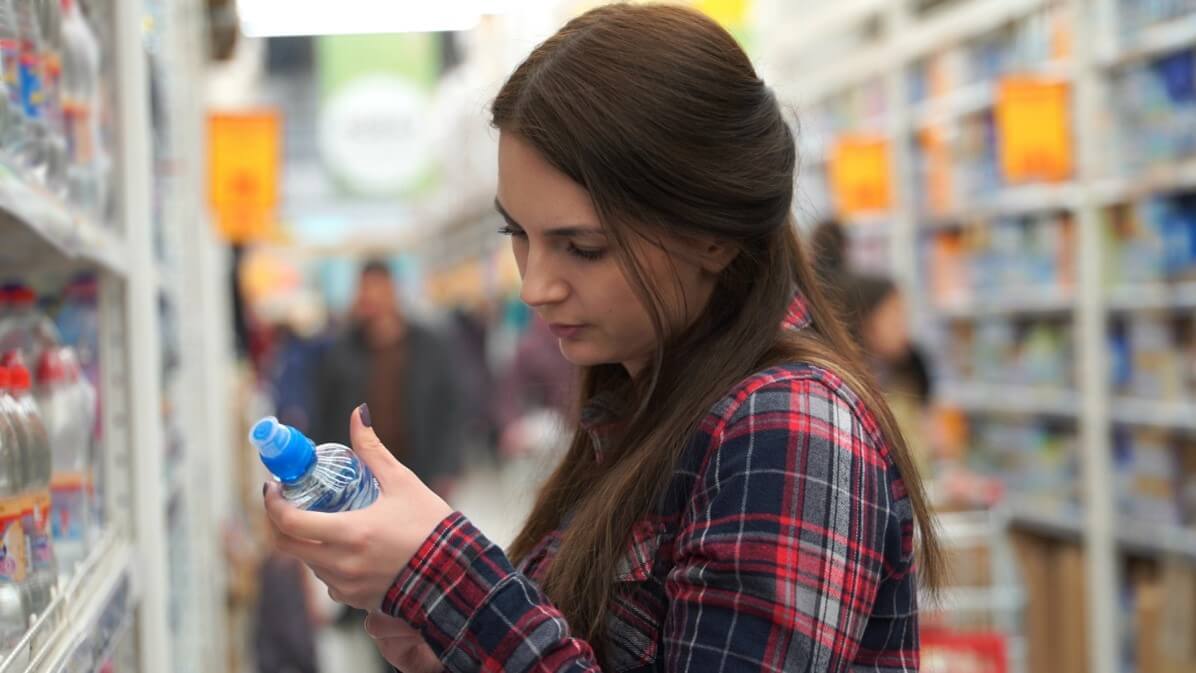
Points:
(10, 61)
(69, 510)
(12, 541)
(37, 522)
(32, 95)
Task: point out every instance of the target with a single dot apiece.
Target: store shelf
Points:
(1050, 519)
(1153, 296)
(960, 103)
(1157, 40)
(1161, 178)
(1176, 415)
(101, 586)
(1020, 302)
(38, 227)
(1132, 536)
(1009, 202)
(1005, 399)
(976, 97)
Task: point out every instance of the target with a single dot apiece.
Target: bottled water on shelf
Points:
(14, 615)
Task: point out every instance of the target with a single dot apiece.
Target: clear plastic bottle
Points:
(43, 568)
(12, 133)
(24, 328)
(49, 16)
(14, 557)
(33, 153)
(80, 102)
(324, 478)
(68, 425)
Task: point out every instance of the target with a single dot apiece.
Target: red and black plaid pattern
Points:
(785, 543)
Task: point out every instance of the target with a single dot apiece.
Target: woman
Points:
(737, 496)
(874, 311)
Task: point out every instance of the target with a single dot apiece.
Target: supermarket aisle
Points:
(498, 499)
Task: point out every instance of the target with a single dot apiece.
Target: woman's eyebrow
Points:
(556, 232)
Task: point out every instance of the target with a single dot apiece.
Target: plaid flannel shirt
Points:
(785, 543)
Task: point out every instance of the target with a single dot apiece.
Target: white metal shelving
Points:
(1099, 53)
(123, 585)
(1011, 399)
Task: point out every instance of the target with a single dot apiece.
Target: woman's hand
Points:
(359, 554)
(402, 646)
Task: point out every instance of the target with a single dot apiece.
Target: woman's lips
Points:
(565, 331)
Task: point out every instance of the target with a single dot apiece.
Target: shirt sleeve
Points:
(781, 553)
(779, 557)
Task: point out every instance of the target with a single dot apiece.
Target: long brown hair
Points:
(658, 113)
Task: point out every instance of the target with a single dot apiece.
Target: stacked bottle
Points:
(34, 473)
(49, 121)
(67, 404)
(14, 614)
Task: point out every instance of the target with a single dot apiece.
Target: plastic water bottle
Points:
(14, 597)
(12, 132)
(68, 425)
(43, 568)
(324, 478)
(80, 106)
(49, 16)
(33, 95)
(23, 328)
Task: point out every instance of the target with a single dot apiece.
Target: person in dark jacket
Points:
(404, 370)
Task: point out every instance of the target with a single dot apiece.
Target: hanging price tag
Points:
(244, 152)
(860, 174)
(1034, 129)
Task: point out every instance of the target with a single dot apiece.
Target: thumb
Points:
(386, 468)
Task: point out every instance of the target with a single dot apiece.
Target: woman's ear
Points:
(714, 254)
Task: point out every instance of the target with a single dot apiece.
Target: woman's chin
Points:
(581, 353)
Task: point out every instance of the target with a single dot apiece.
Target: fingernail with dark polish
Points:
(364, 412)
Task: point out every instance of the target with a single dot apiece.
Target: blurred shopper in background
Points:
(536, 390)
(737, 495)
(407, 374)
(875, 312)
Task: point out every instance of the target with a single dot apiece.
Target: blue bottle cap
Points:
(285, 451)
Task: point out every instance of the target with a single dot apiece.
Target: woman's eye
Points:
(586, 254)
(512, 231)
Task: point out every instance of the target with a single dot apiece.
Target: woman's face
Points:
(886, 332)
(571, 275)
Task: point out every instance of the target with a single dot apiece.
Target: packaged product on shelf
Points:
(50, 19)
(69, 418)
(33, 95)
(13, 612)
(13, 129)
(14, 615)
(23, 328)
(80, 107)
(1157, 363)
(43, 570)
(1144, 476)
(1156, 110)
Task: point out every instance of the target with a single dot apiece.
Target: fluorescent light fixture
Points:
(281, 18)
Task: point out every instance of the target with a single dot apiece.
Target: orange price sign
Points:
(1034, 129)
(244, 152)
(861, 174)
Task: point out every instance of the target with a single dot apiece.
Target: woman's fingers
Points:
(297, 523)
(370, 450)
(379, 625)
